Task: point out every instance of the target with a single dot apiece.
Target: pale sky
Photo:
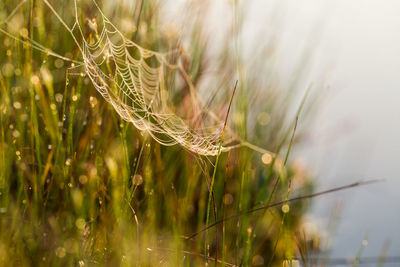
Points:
(361, 39)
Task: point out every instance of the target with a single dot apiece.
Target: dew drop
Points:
(285, 208)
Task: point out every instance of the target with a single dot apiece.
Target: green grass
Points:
(81, 187)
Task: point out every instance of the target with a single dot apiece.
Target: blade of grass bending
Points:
(224, 208)
(216, 165)
(284, 164)
(288, 191)
(265, 207)
(299, 109)
(214, 207)
(136, 169)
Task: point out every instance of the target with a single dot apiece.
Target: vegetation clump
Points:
(114, 153)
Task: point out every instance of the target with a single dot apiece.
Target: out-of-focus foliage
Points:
(81, 187)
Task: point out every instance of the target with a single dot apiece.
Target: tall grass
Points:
(81, 187)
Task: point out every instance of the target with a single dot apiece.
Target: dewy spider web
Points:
(138, 91)
(134, 80)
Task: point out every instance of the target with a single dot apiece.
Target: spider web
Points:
(134, 81)
(137, 81)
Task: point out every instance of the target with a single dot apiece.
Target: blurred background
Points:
(354, 49)
(355, 134)
(347, 51)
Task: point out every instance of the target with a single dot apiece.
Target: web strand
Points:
(135, 81)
